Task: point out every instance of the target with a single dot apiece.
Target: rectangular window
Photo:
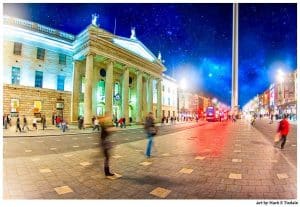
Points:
(40, 53)
(38, 79)
(61, 82)
(17, 48)
(15, 76)
(14, 105)
(37, 106)
(62, 59)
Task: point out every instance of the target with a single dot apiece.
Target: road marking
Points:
(186, 170)
(282, 176)
(146, 163)
(166, 154)
(96, 143)
(63, 190)
(53, 148)
(199, 158)
(160, 192)
(85, 163)
(235, 176)
(236, 160)
(68, 155)
(90, 137)
(28, 150)
(294, 145)
(35, 159)
(138, 150)
(45, 170)
(58, 140)
(40, 141)
(75, 146)
(117, 156)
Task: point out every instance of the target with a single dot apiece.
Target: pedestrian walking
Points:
(8, 120)
(53, 119)
(93, 121)
(80, 122)
(271, 119)
(63, 125)
(34, 123)
(121, 122)
(124, 122)
(96, 125)
(106, 146)
(18, 125)
(151, 130)
(283, 130)
(4, 122)
(43, 122)
(25, 124)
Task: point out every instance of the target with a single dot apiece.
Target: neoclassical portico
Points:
(130, 71)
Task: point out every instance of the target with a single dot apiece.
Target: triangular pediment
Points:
(136, 47)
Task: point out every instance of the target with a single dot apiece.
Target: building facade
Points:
(47, 71)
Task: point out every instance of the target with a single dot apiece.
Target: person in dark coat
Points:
(25, 124)
(151, 130)
(18, 127)
(105, 145)
(44, 121)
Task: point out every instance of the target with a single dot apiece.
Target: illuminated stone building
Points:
(47, 71)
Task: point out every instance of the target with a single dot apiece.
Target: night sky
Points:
(194, 39)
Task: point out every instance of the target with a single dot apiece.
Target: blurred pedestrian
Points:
(25, 124)
(283, 130)
(8, 120)
(121, 122)
(124, 122)
(96, 125)
(4, 122)
(93, 121)
(18, 125)
(151, 130)
(271, 118)
(53, 119)
(63, 125)
(106, 145)
(43, 122)
(34, 123)
(80, 123)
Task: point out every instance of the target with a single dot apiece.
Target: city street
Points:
(205, 160)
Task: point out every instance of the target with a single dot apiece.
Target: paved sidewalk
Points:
(214, 161)
(55, 131)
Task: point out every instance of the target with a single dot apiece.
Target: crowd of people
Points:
(56, 120)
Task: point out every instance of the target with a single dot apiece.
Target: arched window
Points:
(116, 88)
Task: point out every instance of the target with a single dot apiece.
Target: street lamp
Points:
(280, 79)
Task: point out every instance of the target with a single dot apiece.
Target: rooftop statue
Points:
(159, 55)
(132, 36)
(94, 19)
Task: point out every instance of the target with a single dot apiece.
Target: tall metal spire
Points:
(235, 53)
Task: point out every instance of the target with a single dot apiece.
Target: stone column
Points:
(94, 92)
(76, 92)
(125, 88)
(150, 95)
(108, 89)
(159, 100)
(88, 90)
(139, 97)
(144, 100)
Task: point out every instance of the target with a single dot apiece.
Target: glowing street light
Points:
(280, 75)
(214, 100)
